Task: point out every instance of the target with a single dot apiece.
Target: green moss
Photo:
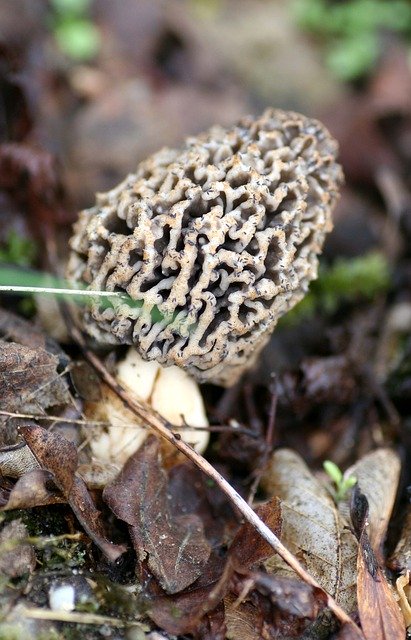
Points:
(347, 280)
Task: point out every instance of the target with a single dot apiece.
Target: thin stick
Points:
(162, 428)
(77, 616)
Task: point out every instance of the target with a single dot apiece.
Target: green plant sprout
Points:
(347, 280)
(75, 33)
(351, 31)
(342, 485)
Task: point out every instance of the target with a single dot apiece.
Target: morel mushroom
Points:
(214, 242)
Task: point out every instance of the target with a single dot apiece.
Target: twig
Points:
(163, 428)
(269, 437)
(78, 617)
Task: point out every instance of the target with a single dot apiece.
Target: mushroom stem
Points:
(168, 390)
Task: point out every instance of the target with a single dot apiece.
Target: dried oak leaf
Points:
(173, 544)
(59, 456)
(380, 615)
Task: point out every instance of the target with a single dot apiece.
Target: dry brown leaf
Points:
(29, 382)
(401, 558)
(53, 453)
(404, 593)
(17, 329)
(31, 490)
(313, 529)
(16, 460)
(377, 475)
(59, 457)
(174, 545)
(380, 615)
(248, 547)
(242, 621)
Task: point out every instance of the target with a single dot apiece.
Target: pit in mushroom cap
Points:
(214, 242)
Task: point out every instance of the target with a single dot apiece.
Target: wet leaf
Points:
(174, 545)
(381, 618)
(313, 529)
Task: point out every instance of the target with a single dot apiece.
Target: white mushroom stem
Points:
(170, 391)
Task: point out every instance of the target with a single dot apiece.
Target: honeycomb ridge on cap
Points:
(214, 241)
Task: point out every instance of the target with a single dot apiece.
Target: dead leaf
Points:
(174, 545)
(378, 474)
(182, 612)
(404, 592)
(33, 489)
(17, 460)
(16, 329)
(313, 529)
(29, 382)
(53, 453)
(17, 557)
(59, 456)
(248, 547)
(401, 558)
(243, 621)
(381, 618)
(90, 519)
(277, 607)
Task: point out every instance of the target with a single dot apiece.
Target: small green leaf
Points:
(333, 471)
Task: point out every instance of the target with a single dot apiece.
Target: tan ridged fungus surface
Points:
(213, 243)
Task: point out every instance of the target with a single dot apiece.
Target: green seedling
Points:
(342, 484)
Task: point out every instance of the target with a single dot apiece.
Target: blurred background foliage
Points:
(102, 84)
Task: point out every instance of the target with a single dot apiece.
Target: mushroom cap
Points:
(214, 242)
